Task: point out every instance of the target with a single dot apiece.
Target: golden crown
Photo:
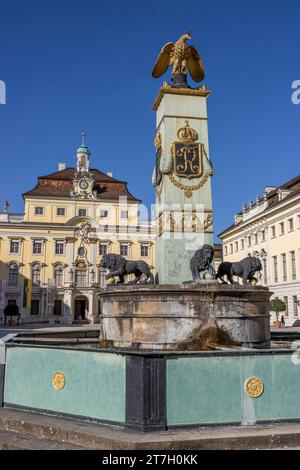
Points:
(186, 133)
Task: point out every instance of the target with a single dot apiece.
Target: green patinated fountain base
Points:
(154, 391)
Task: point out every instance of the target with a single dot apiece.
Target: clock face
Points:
(83, 184)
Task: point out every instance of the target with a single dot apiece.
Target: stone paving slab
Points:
(95, 436)
(14, 441)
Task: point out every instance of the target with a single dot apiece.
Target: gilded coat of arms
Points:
(188, 159)
(187, 154)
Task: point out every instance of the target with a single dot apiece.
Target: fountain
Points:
(186, 350)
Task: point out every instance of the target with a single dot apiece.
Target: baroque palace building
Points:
(270, 228)
(50, 255)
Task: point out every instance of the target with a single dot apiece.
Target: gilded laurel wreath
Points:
(188, 189)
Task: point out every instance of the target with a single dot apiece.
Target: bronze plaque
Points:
(188, 161)
(58, 380)
(254, 387)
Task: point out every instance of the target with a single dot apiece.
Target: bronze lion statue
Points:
(201, 263)
(117, 265)
(244, 269)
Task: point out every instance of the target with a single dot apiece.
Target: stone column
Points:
(92, 312)
(67, 308)
(182, 181)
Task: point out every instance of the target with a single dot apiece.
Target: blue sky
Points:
(73, 65)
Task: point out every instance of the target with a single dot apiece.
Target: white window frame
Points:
(61, 208)
(127, 245)
(58, 268)
(14, 240)
(106, 244)
(82, 209)
(33, 268)
(13, 267)
(39, 241)
(147, 246)
(62, 243)
(39, 207)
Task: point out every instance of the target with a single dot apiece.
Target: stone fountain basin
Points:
(178, 317)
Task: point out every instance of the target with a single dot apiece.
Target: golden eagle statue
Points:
(182, 57)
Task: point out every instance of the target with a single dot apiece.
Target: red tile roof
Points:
(59, 184)
(292, 185)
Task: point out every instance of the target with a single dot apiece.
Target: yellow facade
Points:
(59, 241)
(270, 229)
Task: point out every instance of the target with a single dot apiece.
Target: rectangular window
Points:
(14, 247)
(35, 307)
(273, 231)
(275, 267)
(255, 239)
(242, 244)
(124, 214)
(103, 213)
(39, 210)
(249, 241)
(226, 250)
(37, 247)
(124, 249)
(103, 249)
(284, 270)
(59, 247)
(291, 224)
(281, 225)
(295, 305)
(293, 264)
(236, 246)
(298, 221)
(82, 212)
(60, 211)
(57, 309)
(231, 248)
(145, 250)
(286, 301)
(265, 273)
(263, 235)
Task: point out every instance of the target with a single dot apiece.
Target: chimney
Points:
(61, 166)
(109, 173)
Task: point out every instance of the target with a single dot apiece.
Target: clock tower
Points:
(84, 180)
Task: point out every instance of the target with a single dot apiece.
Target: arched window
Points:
(36, 275)
(58, 275)
(81, 274)
(13, 275)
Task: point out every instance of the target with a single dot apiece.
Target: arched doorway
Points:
(81, 307)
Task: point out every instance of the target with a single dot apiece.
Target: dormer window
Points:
(282, 193)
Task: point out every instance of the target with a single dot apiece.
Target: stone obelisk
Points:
(183, 170)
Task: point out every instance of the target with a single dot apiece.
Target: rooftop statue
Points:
(183, 58)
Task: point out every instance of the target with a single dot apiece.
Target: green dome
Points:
(83, 149)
